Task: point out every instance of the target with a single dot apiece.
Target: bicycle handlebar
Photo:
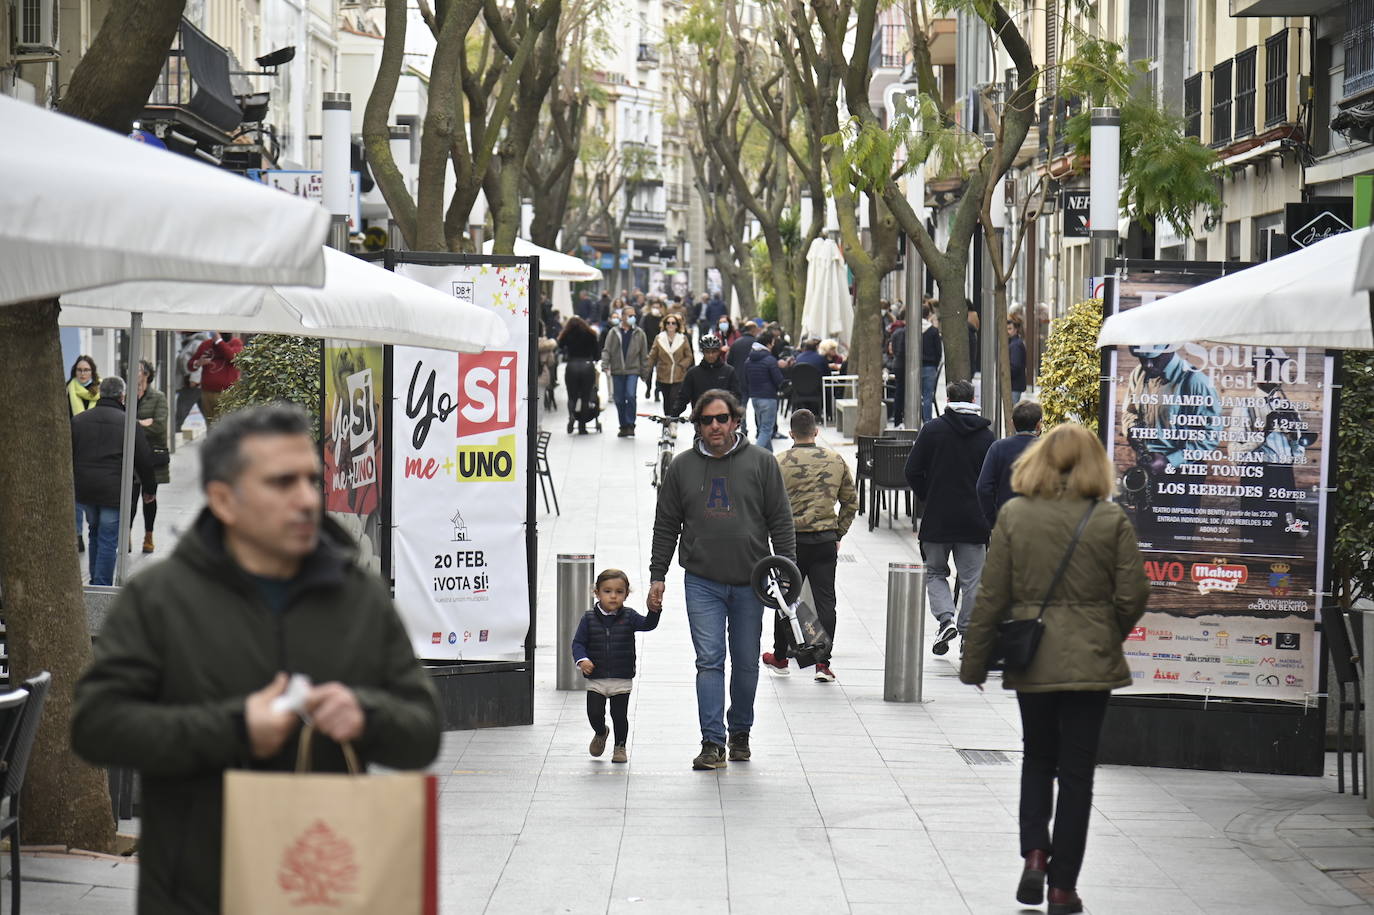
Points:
(664, 420)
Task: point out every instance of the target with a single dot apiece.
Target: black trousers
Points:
(817, 562)
(149, 509)
(1061, 731)
(579, 376)
(620, 714)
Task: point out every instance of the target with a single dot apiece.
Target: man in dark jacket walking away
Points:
(195, 653)
(97, 466)
(725, 500)
(738, 357)
(711, 373)
(943, 470)
(763, 379)
(994, 482)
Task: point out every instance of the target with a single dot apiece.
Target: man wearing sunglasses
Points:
(724, 499)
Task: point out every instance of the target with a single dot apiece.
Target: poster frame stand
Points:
(476, 694)
(1213, 733)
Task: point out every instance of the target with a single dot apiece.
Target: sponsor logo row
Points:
(1282, 641)
(437, 638)
(1218, 575)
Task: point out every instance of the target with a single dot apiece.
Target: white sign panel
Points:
(310, 185)
(460, 461)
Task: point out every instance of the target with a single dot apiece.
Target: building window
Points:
(1276, 79)
(1245, 93)
(893, 46)
(1192, 106)
(1359, 46)
(1221, 103)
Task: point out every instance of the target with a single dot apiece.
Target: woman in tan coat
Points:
(671, 357)
(1063, 692)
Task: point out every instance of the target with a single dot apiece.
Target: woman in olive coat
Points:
(1063, 692)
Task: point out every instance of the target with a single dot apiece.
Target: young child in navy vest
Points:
(604, 648)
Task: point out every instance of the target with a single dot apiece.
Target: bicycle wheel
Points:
(661, 471)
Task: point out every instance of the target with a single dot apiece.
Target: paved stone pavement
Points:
(850, 804)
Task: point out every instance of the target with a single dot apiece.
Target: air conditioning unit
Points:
(36, 31)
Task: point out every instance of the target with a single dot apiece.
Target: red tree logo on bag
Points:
(318, 867)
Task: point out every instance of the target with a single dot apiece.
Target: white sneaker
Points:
(948, 633)
(824, 674)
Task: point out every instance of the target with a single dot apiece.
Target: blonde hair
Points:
(1066, 461)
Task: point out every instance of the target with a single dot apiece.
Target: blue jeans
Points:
(624, 388)
(968, 561)
(766, 418)
(930, 376)
(718, 613)
(102, 545)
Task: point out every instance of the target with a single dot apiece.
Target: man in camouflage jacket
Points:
(816, 479)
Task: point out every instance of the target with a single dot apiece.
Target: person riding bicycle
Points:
(712, 373)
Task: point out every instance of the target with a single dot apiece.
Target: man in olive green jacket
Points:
(197, 648)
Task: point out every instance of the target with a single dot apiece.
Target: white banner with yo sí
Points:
(461, 468)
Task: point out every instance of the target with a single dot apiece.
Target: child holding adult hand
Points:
(604, 649)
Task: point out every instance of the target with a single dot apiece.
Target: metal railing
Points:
(1243, 105)
(1276, 79)
(1221, 103)
(1192, 106)
(1359, 46)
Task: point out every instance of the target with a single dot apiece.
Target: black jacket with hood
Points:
(187, 641)
(943, 469)
(725, 510)
(98, 454)
(704, 377)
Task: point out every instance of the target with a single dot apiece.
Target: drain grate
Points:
(985, 757)
(845, 557)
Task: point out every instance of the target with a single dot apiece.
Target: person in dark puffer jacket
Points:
(604, 650)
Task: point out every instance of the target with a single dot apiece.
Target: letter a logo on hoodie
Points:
(718, 498)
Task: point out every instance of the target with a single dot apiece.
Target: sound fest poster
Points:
(353, 437)
(1221, 452)
(460, 462)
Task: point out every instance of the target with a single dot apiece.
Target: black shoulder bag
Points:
(1018, 640)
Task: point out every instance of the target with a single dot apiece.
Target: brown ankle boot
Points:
(1064, 902)
(148, 542)
(1031, 890)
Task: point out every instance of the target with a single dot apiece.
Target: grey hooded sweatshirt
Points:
(726, 510)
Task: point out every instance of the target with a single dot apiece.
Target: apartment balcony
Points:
(646, 221)
(1260, 8)
(647, 54)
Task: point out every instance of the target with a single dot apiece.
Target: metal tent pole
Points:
(126, 479)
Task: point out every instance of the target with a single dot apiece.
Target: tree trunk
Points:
(66, 802)
(116, 75)
(376, 130)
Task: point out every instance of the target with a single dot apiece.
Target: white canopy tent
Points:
(827, 309)
(86, 207)
(1318, 296)
(359, 301)
(553, 265)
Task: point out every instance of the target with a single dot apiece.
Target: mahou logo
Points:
(1219, 575)
(318, 868)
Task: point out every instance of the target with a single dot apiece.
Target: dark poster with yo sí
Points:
(1221, 458)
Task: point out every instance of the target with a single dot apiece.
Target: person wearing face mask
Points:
(625, 357)
(723, 329)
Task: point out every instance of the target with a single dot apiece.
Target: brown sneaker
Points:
(619, 754)
(148, 542)
(598, 744)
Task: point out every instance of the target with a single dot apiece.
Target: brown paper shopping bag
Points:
(303, 842)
